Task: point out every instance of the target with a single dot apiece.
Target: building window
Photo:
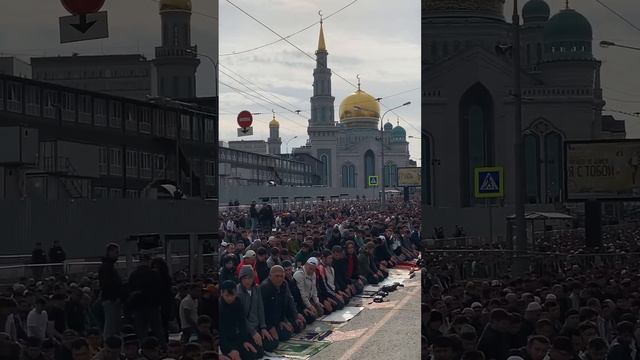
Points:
(158, 122)
(171, 124)
(100, 193)
(115, 114)
(476, 110)
(103, 160)
(132, 163)
(115, 193)
(84, 109)
(369, 166)
(14, 97)
(146, 161)
(99, 112)
(145, 121)
(158, 165)
(133, 194)
(553, 166)
(33, 100)
(131, 123)
(196, 127)
(50, 104)
(115, 161)
(325, 169)
(209, 131)
(185, 127)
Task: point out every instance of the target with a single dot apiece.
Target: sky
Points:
(29, 28)
(377, 39)
(620, 77)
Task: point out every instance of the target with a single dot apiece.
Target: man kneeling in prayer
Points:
(249, 295)
(281, 315)
(235, 341)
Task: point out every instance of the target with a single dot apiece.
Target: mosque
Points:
(468, 104)
(350, 150)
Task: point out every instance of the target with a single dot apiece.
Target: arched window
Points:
(369, 166)
(325, 169)
(352, 176)
(345, 176)
(532, 167)
(553, 166)
(476, 111)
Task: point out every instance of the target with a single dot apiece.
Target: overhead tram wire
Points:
(617, 14)
(263, 90)
(252, 97)
(305, 54)
(287, 40)
(263, 98)
(290, 35)
(622, 112)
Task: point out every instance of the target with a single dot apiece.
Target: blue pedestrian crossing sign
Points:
(373, 181)
(489, 183)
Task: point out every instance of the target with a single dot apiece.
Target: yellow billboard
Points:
(409, 176)
(602, 170)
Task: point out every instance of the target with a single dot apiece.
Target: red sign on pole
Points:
(245, 119)
(82, 7)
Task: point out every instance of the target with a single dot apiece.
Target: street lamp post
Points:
(287, 143)
(519, 185)
(606, 44)
(213, 62)
(383, 198)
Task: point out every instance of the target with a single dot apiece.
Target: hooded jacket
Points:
(253, 308)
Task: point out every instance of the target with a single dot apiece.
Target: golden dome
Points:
(274, 123)
(175, 5)
(359, 105)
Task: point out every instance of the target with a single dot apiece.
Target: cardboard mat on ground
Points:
(344, 315)
(297, 349)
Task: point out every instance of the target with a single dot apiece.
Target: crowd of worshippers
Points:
(575, 314)
(151, 315)
(275, 282)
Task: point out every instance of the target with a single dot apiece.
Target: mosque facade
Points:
(468, 102)
(351, 149)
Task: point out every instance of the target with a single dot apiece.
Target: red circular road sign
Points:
(245, 119)
(82, 7)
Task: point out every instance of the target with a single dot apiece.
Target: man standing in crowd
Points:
(38, 257)
(189, 312)
(145, 300)
(111, 291)
(57, 255)
(38, 320)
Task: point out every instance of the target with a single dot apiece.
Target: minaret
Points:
(176, 60)
(274, 141)
(322, 113)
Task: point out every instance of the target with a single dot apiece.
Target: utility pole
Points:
(521, 265)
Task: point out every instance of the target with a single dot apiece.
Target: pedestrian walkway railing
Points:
(467, 264)
(180, 263)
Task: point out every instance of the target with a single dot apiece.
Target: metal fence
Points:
(85, 226)
(462, 264)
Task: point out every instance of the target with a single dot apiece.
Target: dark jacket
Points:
(341, 279)
(295, 292)
(38, 257)
(364, 265)
(228, 274)
(262, 269)
(493, 344)
(57, 255)
(110, 281)
(143, 288)
(619, 351)
(278, 303)
(233, 328)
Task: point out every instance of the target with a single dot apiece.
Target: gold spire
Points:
(274, 123)
(321, 44)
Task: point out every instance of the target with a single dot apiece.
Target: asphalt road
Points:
(390, 331)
